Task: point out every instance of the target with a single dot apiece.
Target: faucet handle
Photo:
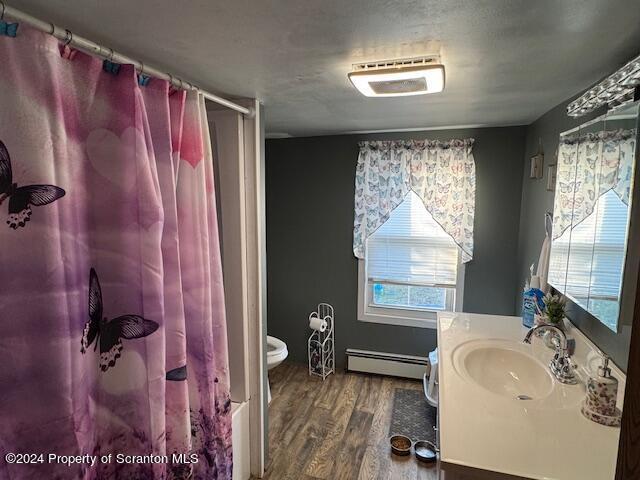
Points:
(563, 367)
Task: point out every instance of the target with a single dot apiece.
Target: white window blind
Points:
(594, 253)
(411, 248)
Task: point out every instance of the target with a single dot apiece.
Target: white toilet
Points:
(276, 354)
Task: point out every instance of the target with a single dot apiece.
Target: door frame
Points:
(628, 465)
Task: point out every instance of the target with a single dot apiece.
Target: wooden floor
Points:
(336, 429)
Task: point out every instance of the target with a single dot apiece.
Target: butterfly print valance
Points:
(441, 173)
(590, 165)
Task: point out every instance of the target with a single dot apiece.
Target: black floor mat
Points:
(412, 416)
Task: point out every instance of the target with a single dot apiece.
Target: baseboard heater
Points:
(393, 364)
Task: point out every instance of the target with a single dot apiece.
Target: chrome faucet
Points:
(560, 364)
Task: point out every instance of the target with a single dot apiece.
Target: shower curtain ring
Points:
(68, 37)
(3, 8)
(111, 55)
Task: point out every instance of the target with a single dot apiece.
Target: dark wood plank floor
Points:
(336, 429)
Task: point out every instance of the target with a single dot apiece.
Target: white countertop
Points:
(545, 439)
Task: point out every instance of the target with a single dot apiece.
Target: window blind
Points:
(412, 248)
(594, 252)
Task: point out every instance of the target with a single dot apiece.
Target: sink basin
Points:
(504, 368)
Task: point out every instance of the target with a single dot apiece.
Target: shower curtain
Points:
(113, 346)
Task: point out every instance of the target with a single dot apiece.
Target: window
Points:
(588, 260)
(412, 269)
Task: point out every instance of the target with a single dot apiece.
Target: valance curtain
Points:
(441, 173)
(589, 166)
(111, 298)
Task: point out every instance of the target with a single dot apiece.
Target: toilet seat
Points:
(276, 354)
(275, 347)
(276, 351)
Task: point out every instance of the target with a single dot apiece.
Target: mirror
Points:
(594, 181)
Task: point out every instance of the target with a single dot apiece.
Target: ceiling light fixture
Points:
(399, 78)
(617, 89)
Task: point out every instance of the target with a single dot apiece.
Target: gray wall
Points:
(310, 192)
(536, 200)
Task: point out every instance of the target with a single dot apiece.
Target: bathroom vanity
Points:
(501, 410)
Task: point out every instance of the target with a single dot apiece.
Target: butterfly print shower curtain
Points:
(111, 299)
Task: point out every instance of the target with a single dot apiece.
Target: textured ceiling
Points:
(507, 61)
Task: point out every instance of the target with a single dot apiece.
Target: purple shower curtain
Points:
(111, 298)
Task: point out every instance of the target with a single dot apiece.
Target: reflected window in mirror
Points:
(591, 212)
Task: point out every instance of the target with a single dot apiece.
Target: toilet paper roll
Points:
(317, 324)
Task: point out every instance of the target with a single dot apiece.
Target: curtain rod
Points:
(93, 48)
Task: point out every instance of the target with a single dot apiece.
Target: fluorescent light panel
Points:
(399, 81)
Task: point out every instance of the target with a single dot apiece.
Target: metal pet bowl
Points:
(425, 451)
(400, 445)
